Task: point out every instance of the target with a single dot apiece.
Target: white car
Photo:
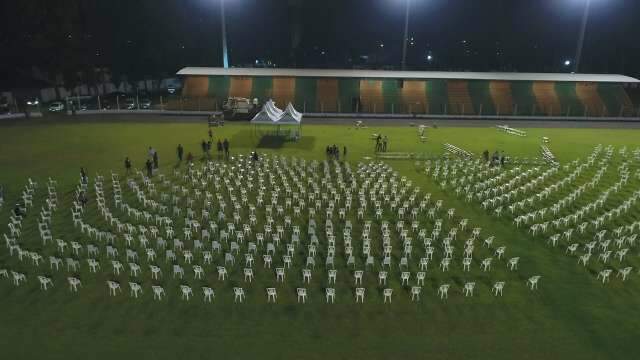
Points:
(56, 106)
(130, 103)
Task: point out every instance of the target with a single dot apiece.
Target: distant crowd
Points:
(498, 158)
(381, 143)
(333, 152)
(152, 158)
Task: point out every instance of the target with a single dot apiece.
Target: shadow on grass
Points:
(249, 138)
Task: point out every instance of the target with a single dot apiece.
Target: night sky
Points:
(157, 37)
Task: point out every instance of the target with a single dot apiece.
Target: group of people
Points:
(81, 197)
(180, 152)
(498, 158)
(83, 176)
(18, 210)
(152, 162)
(333, 152)
(254, 156)
(381, 143)
(221, 146)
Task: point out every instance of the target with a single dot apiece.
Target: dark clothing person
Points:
(225, 145)
(219, 146)
(83, 175)
(155, 160)
(83, 199)
(127, 165)
(486, 155)
(210, 135)
(495, 158)
(189, 158)
(384, 144)
(254, 156)
(180, 152)
(204, 146)
(344, 151)
(149, 166)
(17, 211)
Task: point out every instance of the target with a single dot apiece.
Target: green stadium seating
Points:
(524, 101)
(437, 95)
(569, 102)
(481, 97)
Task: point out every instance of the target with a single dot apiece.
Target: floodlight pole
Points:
(225, 56)
(583, 28)
(406, 35)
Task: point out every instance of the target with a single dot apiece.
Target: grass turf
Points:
(571, 316)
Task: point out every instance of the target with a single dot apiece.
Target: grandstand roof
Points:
(383, 74)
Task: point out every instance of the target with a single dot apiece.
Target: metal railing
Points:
(374, 106)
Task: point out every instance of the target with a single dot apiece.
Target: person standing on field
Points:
(127, 165)
(149, 166)
(219, 146)
(225, 145)
(83, 175)
(180, 152)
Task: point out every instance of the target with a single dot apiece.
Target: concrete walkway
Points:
(309, 121)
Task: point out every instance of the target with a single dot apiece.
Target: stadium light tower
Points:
(405, 40)
(225, 55)
(583, 28)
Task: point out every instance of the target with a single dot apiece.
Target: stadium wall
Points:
(420, 96)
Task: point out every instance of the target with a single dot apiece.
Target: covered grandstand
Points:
(419, 92)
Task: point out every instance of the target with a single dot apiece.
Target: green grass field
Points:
(572, 314)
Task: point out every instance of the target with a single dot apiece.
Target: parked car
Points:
(4, 105)
(73, 104)
(130, 104)
(239, 108)
(145, 104)
(105, 104)
(117, 100)
(81, 106)
(33, 101)
(56, 106)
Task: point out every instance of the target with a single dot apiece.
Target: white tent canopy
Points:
(269, 114)
(290, 116)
